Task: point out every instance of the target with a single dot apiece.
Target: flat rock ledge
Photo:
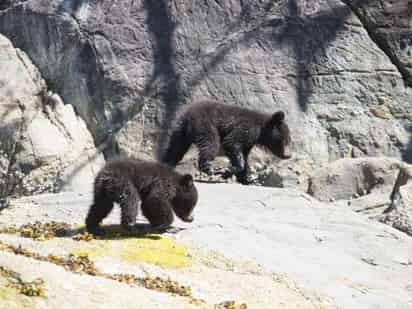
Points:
(257, 246)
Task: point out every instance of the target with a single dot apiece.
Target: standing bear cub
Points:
(212, 126)
(127, 182)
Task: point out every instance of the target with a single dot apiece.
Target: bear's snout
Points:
(188, 218)
(287, 154)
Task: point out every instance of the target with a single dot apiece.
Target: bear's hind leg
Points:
(158, 212)
(97, 212)
(208, 145)
(129, 203)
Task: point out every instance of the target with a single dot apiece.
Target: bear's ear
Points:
(276, 119)
(186, 180)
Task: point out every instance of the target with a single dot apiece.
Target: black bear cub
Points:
(127, 182)
(212, 126)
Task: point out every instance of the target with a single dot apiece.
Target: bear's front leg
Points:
(97, 212)
(239, 162)
(158, 211)
(129, 202)
(245, 177)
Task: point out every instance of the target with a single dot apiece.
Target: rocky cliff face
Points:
(338, 69)
(390, 27)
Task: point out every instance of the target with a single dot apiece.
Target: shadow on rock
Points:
(407, 154)
(116, 231)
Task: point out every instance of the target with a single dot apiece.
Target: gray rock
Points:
(372, 205)
(345, 179)
(331, 251)
(390, 28)
(399, 212)
(44, 145)
(120, 62)
(370, 186)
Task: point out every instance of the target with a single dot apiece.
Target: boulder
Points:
(399, 212)
(44, 145)
(347, 178)
(400, 217)
(377, 187)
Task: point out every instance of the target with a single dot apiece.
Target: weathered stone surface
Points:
(399, 212)
(390, 26)
(44, 145)
(378, 206)
(351, 178)
(367, 186)
(305, 246)
(120, 62)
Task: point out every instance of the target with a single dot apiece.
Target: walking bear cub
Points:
(160, 189)
(212, 126)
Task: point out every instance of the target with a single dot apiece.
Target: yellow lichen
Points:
(131, 246)
(84, 265)
(12, 299)
(154, 249)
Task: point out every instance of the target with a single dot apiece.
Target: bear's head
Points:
(186, 198)
(275, 136)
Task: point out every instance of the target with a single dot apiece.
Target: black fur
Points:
(212, 126)
(157, 186)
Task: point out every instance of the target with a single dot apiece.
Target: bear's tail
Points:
(174, 143)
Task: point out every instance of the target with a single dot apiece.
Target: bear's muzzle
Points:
(287, 153)
(188, 218)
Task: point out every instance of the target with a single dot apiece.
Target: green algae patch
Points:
(154, 249)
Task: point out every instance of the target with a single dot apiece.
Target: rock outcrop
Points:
(126, 66)
(389, 26)
(399, 212)
(44, 145)
(265, 247)
(380, 188)
(347, 179)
